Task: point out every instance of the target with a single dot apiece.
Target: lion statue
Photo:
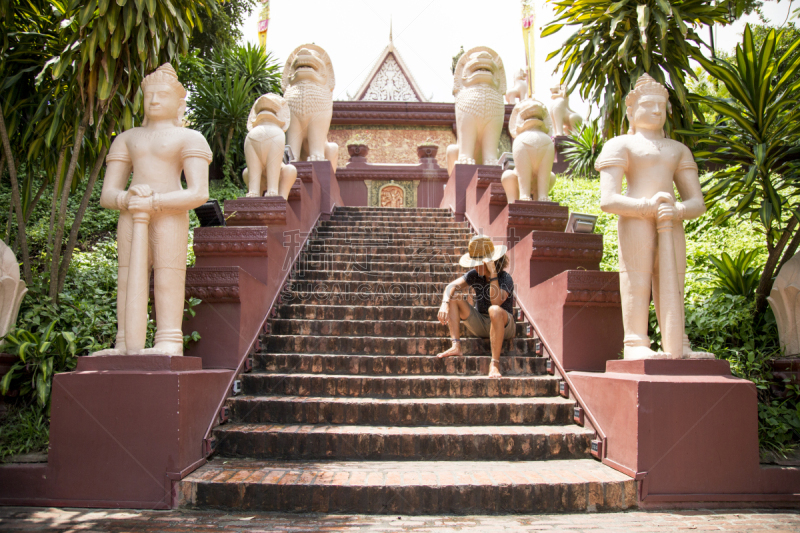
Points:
(534, 152)
(520, 88)
(565, 120)
(263, 148)
(308, 84)
(12, 290)
(479, 84)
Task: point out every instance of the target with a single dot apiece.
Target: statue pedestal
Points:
(122, 429)
(579, 313)
(686, 428)
(256, 211)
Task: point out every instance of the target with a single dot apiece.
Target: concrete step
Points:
(387, 233)
(383, 443)
(368, 286)
(406, 412)
(370, 328)
(259, 384)
(362, 259)
(380, 217)
(314, 245)
(396, 365)
(390, 224)
(370, 265)
(382, 277)
(391, 345)
(401, 253)
(356, 312)
(367, 299)
(392, 210)
(407, 487)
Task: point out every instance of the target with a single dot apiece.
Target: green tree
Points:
(225, 88)
(220, 27)
(73, 69)
(616, 42)
(757, 138)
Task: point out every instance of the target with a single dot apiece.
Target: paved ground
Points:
(64, 520)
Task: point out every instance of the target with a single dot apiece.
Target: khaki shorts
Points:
(480, 325)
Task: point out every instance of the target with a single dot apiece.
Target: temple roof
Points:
(390, 79)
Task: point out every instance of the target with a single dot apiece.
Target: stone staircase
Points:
(348, 411)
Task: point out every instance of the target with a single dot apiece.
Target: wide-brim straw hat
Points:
(480, 247)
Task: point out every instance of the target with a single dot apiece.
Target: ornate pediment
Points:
(389, 80)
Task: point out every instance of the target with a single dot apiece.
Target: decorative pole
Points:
(669, 292)
(263, 23)
(528, 36)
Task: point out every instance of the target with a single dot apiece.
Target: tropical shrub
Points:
(582, 150)
(225, 88)
(23, 429)
(756, 137)
(615, 42)
(735, 275)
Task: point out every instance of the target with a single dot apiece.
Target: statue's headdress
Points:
(645, 85)
(166, 75)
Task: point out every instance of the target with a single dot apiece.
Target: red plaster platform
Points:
(122, 428)
(687, 429)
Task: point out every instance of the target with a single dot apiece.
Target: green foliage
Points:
(757, 138)
(582, 150)
(716, 321)
(41, 355)
(616, 42)
(221, 27)
(225, 88)
(23, 429)
(735, 275)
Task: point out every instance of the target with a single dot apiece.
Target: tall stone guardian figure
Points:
(652, 244)
(154, 214)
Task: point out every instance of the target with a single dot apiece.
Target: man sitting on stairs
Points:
(492, 317)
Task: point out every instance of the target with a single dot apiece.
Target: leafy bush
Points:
(41, 355)
(735, 276)
(582, 150)
(23, 429)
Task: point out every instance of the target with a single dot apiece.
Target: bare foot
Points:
(112, 351)
(455, 349)
(251, 195)
(271, 193)
(164, 348)
(494, 369)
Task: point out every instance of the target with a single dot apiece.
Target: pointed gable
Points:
(390, 80)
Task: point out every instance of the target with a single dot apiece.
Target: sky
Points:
(427, 34)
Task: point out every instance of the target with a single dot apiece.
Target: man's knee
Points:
(498, 315)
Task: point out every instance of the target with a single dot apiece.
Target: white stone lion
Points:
(534, 152)
(263, 148)
(308, 83)
(479, 85)
(520, 88)
(565, 120)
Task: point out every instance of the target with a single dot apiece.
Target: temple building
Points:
(390, 115)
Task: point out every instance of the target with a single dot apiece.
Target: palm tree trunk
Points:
(76, 224)
(54, 203)
(16, 202)
(35, 201)
(62, 213)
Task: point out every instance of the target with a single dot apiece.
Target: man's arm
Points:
(458, 285)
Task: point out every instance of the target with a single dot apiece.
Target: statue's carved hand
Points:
(666, 212)
(141, 203)
(651, 208)
(142, 190)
